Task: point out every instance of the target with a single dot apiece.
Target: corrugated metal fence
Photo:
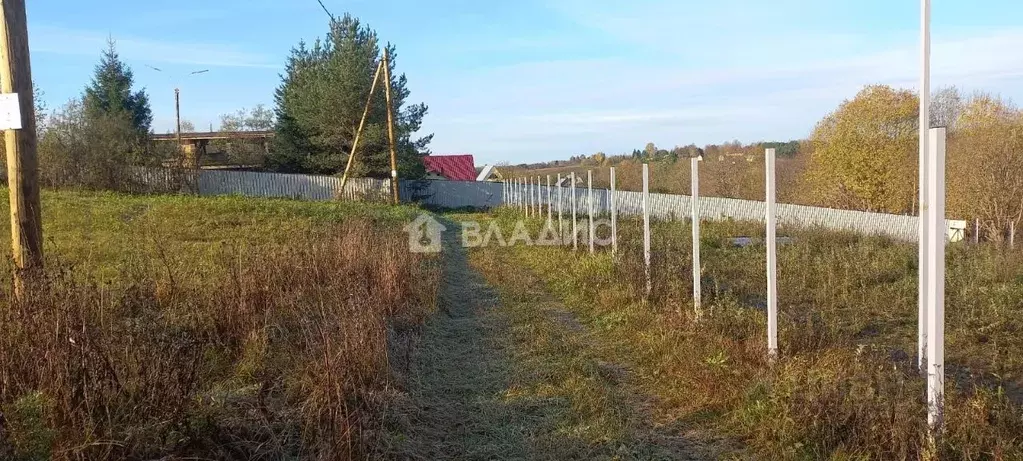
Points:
(484, 195)
(677, 207)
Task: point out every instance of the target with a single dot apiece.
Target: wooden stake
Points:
(390, 128)
(362, 124)
(22, 163)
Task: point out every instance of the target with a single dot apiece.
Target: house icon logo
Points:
(424, 234)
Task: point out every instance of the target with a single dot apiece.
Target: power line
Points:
(326, 10)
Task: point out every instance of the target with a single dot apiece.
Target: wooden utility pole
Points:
(390, 128)
(177, 115)
(22, 163)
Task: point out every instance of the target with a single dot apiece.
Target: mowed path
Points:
(508, 373)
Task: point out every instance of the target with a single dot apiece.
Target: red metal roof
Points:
(453, 167)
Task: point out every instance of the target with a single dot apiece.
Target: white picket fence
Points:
(486, 195)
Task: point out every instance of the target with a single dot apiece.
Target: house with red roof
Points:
(450, 167)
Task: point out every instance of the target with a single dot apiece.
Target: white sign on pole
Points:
(646, 227)
(935, 272)
(589, 210)
(10, 111)
(772, 259)
(614, 215)
(697, 272)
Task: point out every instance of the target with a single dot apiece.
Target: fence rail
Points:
(485, 195)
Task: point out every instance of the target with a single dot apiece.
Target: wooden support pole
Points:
(390, 129)
(177, 114)
(22, 162)
(358, 132)
(772, 258)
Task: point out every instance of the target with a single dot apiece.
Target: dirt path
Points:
(511, 375)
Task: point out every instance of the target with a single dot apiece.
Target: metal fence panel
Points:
(485, 195)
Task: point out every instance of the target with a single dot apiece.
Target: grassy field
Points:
(845, 386)
(198, 328)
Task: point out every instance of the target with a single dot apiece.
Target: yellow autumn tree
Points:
(985, 164)
(864, 153)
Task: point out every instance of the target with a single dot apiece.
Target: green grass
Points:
(845, 386)
(102, 232)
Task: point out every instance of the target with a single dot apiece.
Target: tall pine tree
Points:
(320, 102)
(110, 93)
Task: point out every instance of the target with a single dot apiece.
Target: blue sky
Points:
(532, 80)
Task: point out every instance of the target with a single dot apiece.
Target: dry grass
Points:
(275, 351)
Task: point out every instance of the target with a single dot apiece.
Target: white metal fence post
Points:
(561, 207)
(539, 199)
(772, 263)
(550, 204)
(936, 280)
(976, 231)
(532, 197)
(613, 205)
(589, 211)
(923, 124)
(646, 227)
(1012, 235)
(515, 195)
(522, 197)
(695, 202)
(575, 219)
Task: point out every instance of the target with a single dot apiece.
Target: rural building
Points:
(488, 173)
(450, 167)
